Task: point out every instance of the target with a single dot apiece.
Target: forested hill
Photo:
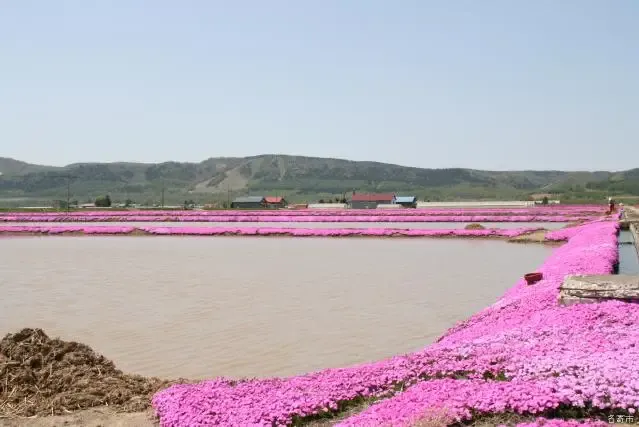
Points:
(299, 178)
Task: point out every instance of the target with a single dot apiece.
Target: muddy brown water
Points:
(420, 225)
(196, 308)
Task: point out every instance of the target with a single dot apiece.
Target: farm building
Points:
(370, 201)
(406, 201)
(475, 204)
(248, 202)
(275, 202)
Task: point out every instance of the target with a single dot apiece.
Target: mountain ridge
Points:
(299, 177)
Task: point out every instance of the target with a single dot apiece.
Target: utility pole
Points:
(68, 193)
(68, 178)
(162, 194)
(228, 196)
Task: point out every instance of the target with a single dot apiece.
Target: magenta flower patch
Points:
(266, 231)
(524, 354)
(285, 217)
(533, 214)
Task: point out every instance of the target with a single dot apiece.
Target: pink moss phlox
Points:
(574, 355)
(545, 422)
(566, 233)
(286, 217)
(215, 215)
(551, 355)
(460, 400)
(267, 231)
(334, 232)
(61, 229)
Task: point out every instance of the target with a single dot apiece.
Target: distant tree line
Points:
(103, 201)
(336, 200)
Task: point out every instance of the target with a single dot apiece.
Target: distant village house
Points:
(248, 202)
(370, 201)
(406, 201)
(275, 202)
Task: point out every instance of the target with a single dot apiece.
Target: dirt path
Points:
(95, 417)
(534, 237)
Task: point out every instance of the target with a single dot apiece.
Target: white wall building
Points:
(481, 204)
(327, 206)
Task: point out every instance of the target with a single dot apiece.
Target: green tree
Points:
(544, 201)
(103, 201)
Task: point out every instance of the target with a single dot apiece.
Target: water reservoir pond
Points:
(193, 307)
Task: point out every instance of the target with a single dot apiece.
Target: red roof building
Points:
(370, 201)
(271, 199)
(275, 202)
(379, 198)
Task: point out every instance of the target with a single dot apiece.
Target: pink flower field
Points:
(543, 422)
(536, 214)
(561, 210)
(266, 231)
(293, 218)
(525, 354)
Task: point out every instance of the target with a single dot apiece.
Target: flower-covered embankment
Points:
(524, 354)
(297, 218)
(564, 213)
(267, 231)
(544, 422)
(66, 229)
(537, 210)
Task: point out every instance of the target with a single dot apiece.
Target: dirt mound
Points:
(474, 226)
(573, 224)
(44, 376)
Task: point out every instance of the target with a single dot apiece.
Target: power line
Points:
(68, 178)
(163, 188)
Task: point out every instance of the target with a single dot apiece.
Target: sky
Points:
(491, 84)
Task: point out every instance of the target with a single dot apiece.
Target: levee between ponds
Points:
(597, 288)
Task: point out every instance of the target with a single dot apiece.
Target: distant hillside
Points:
(11, 167)
(298, 178)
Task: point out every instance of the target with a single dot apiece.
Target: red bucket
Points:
(532, 278)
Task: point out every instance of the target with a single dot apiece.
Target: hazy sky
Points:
(490, 84)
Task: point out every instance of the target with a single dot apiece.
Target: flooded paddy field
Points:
(419, 225)
(192, 307)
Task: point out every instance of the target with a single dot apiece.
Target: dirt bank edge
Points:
(43, 376)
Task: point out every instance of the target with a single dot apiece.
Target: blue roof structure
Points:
(405, 199)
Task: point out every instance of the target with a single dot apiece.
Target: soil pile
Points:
(474, 226)
(44, 376)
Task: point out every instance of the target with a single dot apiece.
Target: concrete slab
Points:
(631, 213)
(597, 288)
